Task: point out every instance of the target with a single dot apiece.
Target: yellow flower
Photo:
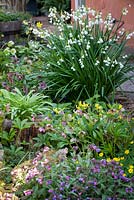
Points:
(25, 22)
(56, 110)
(108, 159)
(132, 142)
(116, 159)
(126, 152)
(82, 106)
(39, 25)
(101, 154)
(124, 174)
(130, 170)
(121, 164)
(120, 107)
(122, 158)
(98, 107)
(131, 166)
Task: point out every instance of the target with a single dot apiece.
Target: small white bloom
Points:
(100, 41)
(124, 11)
(10, 43)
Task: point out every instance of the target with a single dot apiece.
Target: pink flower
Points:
(41, 129)
(28, 192)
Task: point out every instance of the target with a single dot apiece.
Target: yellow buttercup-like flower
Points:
(132, 142)
(124, 174)
(131, 166)
(108, 159)
(39, 25)
(126, 151)
(116, 159)
(98, 107)
(82, 106)
(56, 110)
(101, 154)
(130, 170)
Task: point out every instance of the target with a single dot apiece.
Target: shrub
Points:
(86, 57)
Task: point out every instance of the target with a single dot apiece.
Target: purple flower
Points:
(93, 147)
(42, 85)
(62, 184)
(50, 191)
(28, 192)
(81, 180)
(129, 190)
(4, 84)
(41, 129)
(95, 170)
(125, 179)
(40, 181)
(48, 182)
(75, 148)
(67, 178)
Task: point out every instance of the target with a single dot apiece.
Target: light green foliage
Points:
(24, 106)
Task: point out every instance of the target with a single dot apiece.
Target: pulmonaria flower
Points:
(46, 149)
(42, 85)
(50, 191)
(129, 190)
(40, 181)
(48, 182)
(82, 180)
(94, 148)
(28, 192)
(41, 129)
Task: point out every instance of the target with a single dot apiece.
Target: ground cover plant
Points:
(82, 149)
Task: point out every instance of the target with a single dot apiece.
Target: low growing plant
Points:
(10, 16)
(23, 106)
(75, 178)
(91, 122)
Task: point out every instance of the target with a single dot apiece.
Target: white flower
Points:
(121, 65)
(13, 51)
(125, 56)
(97, 62)
(73, 68)
(10, 43)
(100, 41)
(124, 11)
(81, 63)
(129, 36)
